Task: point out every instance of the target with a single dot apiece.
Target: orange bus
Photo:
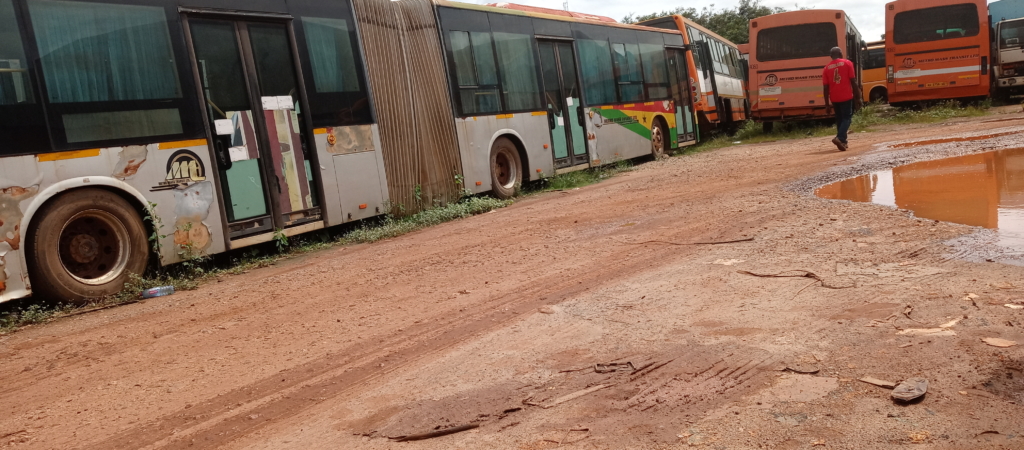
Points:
(788, 52)
(936, 50)
(873, 74)
(719, 90)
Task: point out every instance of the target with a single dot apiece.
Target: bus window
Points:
(475, 72)
(21, 120)
(338, 96)
(808, 40)
(627, 61)
(1011, 34)
(129, 88)
(655, 71)
(935, 24)
(598, 75)
(875, 59)
(518, 71)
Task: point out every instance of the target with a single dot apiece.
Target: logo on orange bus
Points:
(771, 80)
(908, 63)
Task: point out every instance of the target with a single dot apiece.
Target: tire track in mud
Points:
(236, 413)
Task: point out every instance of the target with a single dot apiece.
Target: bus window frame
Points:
(37, 139)
(896, 37)
(757, 52)
(187, 104)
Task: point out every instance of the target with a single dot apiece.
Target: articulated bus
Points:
(612, 88)
(233, 122)
(788, 52)
(873, 82)
(720, 90)
(936, 50)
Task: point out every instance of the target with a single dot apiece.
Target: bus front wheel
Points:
(85, 245)
(506, 168)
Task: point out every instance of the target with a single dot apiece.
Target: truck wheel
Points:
(85, 246)
(658, 138)
(506, 168)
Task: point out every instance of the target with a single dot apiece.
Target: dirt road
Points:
(500, 319)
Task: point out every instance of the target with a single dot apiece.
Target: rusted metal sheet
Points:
(405, 63)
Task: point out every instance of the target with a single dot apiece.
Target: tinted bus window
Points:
(475, 72)
(596, 67)
(518, 71)
(627, 61)
(21, 120)
(1011, 34)
(114, 60)
(695, 36)
(936, 24)
(809, 40)
(655, 71)
(875, 59)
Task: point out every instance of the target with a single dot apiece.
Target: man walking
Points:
(841, 88)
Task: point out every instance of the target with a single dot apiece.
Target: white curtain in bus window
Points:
(93, 52)
(14, 82)
(518, 71)
(330, 54)
(655, 71)
(627, 60)
(598, 75)
(475, 72)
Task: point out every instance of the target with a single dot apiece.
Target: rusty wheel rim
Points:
(93, 247)
(657, 140)
(504, 170)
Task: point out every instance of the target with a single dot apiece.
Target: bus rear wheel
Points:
(658, 144)
(86, 244)
(506, 168)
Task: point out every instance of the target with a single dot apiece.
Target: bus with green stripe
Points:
(541, 94)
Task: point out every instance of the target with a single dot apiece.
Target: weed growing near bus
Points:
(870, 115)
(391, 226)
(580, 178)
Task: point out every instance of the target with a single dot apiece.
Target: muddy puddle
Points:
(984, 189)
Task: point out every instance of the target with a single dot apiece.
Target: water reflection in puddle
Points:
(985, 189)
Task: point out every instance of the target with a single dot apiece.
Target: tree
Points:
(730, 23)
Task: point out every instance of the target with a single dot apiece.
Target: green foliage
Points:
(280, 240)
(158, 225)
(730, 23)
(392, 226)
(579, 178)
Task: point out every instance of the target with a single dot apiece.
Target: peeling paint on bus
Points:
(131, 159)
(11, 214)
(191, 208)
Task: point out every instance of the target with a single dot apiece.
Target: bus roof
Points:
(554, 12)
(801, 17)
(875, 44)
(518, 12)
(691, 23)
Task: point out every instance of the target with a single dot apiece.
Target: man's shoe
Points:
(839, 144)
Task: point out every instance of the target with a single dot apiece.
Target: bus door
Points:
(703, 51)
(562, 98)
(252, 96)
(680, 82)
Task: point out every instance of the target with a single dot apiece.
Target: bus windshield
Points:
(809, 40)
(1011, 34)
(936, 24)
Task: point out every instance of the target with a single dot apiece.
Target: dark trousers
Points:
(844, 117)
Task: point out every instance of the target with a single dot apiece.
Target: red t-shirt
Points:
(837, 76)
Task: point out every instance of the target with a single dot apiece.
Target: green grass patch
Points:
(191, 274)
(871, 115)
(579, 178)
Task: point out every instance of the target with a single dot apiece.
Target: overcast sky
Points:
(867, 15)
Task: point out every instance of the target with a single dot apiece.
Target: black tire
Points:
(659, 139)
(767, 127)
(85, 245)
(506, 168)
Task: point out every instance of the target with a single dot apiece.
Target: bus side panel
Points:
(352, 171)
(20, 182)
(173, 178)
(477, 134)
(791, 93)
(624, 131)
(937, 74)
